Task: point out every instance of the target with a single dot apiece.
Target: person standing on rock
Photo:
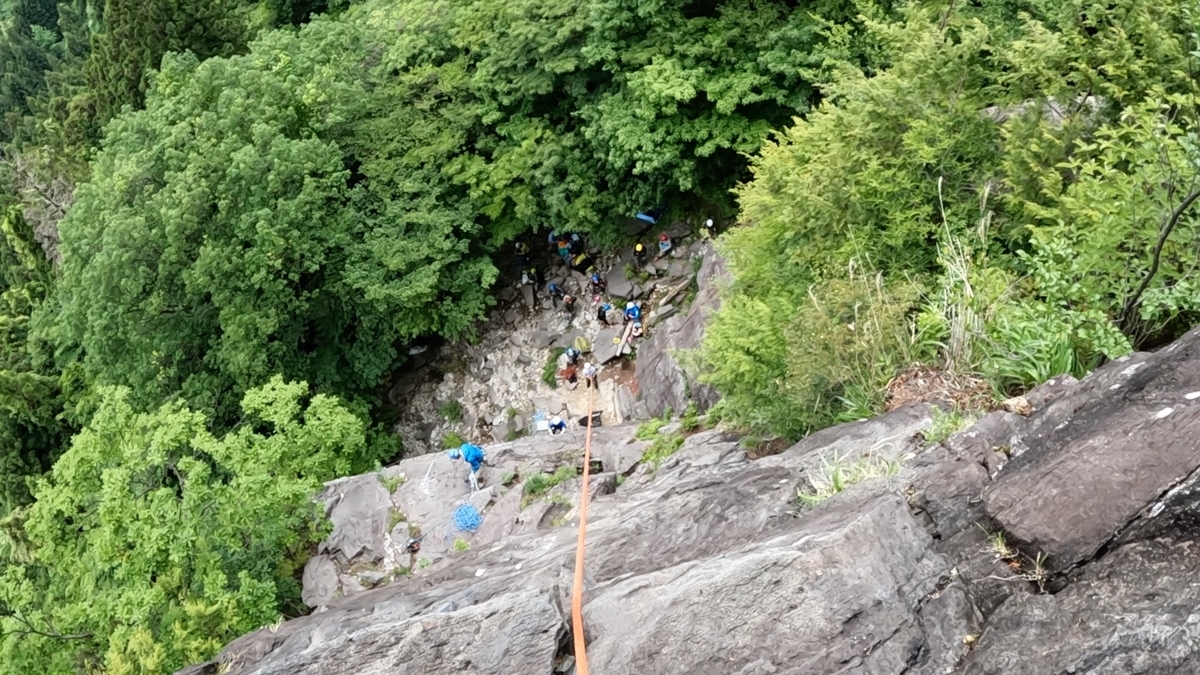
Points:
(590, 376)
(639, 254)
(473, 455)
(602, 313)
(569, 304)
(709, 231)
(572, 356)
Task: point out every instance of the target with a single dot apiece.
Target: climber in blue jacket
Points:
(473, 455)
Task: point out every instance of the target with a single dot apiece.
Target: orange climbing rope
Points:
(581, 663)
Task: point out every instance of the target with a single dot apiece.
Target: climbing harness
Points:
(581, 662)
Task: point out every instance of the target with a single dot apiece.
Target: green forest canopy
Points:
(269, 201)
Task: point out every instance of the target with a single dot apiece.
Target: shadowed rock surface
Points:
(1061, 542)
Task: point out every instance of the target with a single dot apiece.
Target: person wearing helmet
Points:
(472, 455)
(568, 303)
(597, 283)
(637, 329)
(602, 313)
(590, 376)
(632, 312)
(709, 231)
(664, 245)
(556, 293)
(557, 425)
(572, 355)
(639, 254)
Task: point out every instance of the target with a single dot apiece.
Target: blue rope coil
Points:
(467, 518)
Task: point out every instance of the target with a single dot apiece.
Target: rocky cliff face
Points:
(1059, 542)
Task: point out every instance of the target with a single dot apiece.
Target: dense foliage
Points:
(153, 542)
(201, 197)
(1033, 180)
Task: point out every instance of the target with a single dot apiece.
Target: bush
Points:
(452, 411)
(452, 440)
(550, 370)
(648, 429)
(663, 447)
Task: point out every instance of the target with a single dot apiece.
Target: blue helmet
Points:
(595, 277)
(454, 454)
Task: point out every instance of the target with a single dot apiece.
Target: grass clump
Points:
(461, 545)
(550, 370)
(663, 447)
(691, 418)
(395, 516)
(390, 483)
(538, 484)
(838, 473)
(452, 440)
(452, 411)
(648, 429)
(946, 424)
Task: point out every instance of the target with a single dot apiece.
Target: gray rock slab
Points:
(359, 515)
(320, 581)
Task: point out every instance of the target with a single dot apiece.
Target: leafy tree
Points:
(222, 238)
(152, 542)
(1050, 154)
(31, 402)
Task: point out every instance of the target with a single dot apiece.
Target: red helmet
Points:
(663, 237)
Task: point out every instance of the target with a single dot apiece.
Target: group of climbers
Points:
(571, 248)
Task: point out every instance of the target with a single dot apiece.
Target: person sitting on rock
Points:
(590, 376)
(637, 329)
(639, 254)
(597, 284)
(564, 250)
(632, 312)
(557, 425)
(575, 243)
(664, 245)
(473, 455)
(602, 313)
(556, 293)
(569, 304)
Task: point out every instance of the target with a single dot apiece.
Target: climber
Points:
(556, 293)
(575, 243)
(572, 355)
(551, 238)
(557, 425)
(522, 248)
(637, 329)
(664, 245)
(597, 284)
(564, 250)
(709, 231)
(639, 254)
(590, 375)
(602, 313)
(473, 455)
(533, 275)
(632, 312)
(569, 304)
(581, 262)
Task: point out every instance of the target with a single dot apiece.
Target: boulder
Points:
(359, 515)
(661, 314)
(605, 350)
(528, 296)
(320, 581)
(1082, 481)
(619, 285)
